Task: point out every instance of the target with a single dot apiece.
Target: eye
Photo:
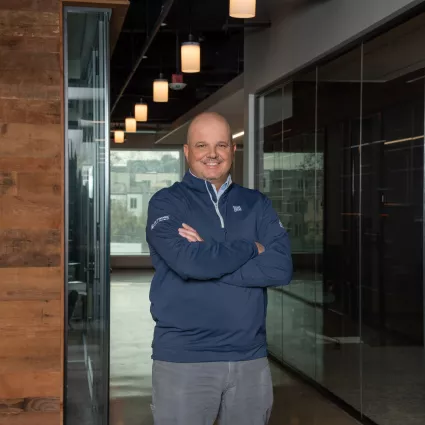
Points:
(223, 145)
(200, 145)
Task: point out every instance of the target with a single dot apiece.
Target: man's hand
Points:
(260, 247)
(190, 233)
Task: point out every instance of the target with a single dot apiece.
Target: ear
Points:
(234, 147)
(186, 150)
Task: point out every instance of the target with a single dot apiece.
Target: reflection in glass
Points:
(342, 158)
(270, 119)
(292, 177)
(87, 176)
(135, 177)
(339, 103)
(392, 306)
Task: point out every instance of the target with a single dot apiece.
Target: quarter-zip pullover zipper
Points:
(217, 210)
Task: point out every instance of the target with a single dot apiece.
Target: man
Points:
(215, 246)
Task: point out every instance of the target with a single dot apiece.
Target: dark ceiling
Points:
(221, 40)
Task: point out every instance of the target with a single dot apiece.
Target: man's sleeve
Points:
(274, 266)
(191, 260)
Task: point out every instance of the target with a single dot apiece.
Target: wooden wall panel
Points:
(38, 284)
(32, 208)
(25, 418)
(31, 213)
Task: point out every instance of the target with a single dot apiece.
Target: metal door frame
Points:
(105, 232)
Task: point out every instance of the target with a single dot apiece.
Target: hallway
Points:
(131, 332)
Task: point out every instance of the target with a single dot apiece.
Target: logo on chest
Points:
(237, 208)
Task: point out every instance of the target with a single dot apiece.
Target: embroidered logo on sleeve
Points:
(237, 208)
(158, 220)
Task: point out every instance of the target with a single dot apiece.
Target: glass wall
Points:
(87, 216)
(341, 155)
(135, 177)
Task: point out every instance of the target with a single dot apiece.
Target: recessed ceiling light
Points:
(236, 135)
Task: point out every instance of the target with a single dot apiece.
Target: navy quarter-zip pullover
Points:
(209, 298)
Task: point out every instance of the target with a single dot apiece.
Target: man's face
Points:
(209, 151)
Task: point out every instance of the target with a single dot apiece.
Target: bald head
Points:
(209, 149)
(208, 120)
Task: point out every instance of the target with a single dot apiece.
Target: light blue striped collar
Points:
(222, 189)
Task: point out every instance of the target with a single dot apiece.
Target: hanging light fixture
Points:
(242, 8)
(141, 111)
(130, 125)
(160, 89)
(191, 56)
(119, 136)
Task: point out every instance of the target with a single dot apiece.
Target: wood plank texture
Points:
(31, 111)
(31, 5)
(29, 44)
(26, 418)
(29, 140)
(29, 384)
(30, 248)
(20, 405)
(31, 213)
(31, 210)
(31, 284)
(24, 23)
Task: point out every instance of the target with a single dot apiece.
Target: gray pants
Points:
(237, 393)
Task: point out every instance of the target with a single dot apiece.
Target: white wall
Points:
(301, 35)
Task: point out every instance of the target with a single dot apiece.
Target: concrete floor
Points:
(131, 335)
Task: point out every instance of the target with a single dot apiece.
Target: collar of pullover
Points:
(204, 186)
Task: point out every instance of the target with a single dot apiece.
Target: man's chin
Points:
(212, 176)
(213, 173)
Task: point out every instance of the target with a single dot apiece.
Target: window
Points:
(135, 177)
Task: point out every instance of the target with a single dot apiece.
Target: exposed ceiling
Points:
(228, 101)
(221, 55)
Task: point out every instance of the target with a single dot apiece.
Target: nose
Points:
(212, 153)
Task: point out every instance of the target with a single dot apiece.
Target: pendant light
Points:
(119, 136)
(160, 89)
(130, 125)
(242, 8)
(141, 111)
(190, 51)
(191, 56)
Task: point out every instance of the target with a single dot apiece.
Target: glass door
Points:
(87, 218)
